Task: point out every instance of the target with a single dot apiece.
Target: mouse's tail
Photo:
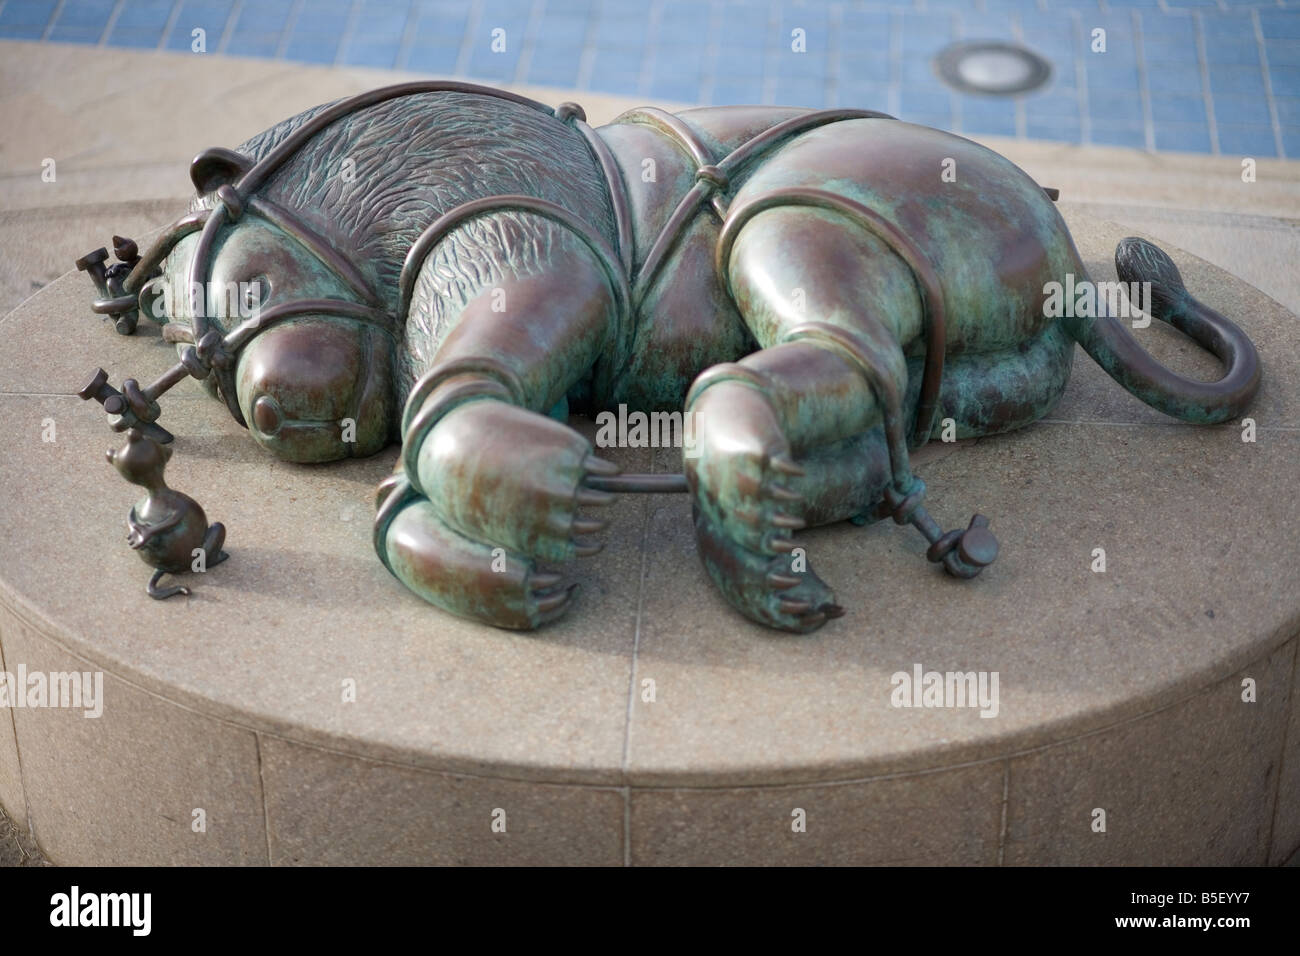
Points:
(1116, 351)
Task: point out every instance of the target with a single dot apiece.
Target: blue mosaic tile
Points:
(494, 10)
(1231, 25)
(992, 26)
(616, 66)
(1162, 25)
(914, 101)
(1177, 109)
(1114, 107)
(267, 16)
(1058, 106)
(485, 65)
(381, 21)
(1277, 24)
(74, 34)
(443, 26)
(564, 32)
(1247, 141)
(739, 90)
(733, 63)
(748, 57)
(577, 8)
(309, 48)
(684, 88)
(1231, 51)
(553, 71)
(623, 39)
(1121, 79)
(1282, 52)
(1291, 143)
(1118, 136)
(248, 44)
(924, 35)
(918, 73)
(208, 16)
(1288, 110)
(136, 39)
(319, 21)
(1174, 78)
(798, 66)
(864, 96)
(988, 125)
(1241, 109)
(873, 69)
(1059, 130)
(25, 19)
(1160, 49)
(1183, 139)
(375, 53)
(143, 16)
(81, 21)
(439, 58)
(1285, 80)
(1236, 80)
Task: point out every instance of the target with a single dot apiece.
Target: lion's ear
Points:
(217, 166)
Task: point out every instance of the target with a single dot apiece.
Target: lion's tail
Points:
(1116, 351)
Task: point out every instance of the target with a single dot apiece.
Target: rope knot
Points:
(713, 176)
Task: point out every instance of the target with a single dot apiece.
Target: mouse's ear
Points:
(216, 167)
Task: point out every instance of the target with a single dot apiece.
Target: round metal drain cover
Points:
(1000, 69)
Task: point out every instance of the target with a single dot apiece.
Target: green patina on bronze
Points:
(459, 268)
(166, 528)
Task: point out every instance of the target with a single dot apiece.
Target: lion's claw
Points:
(551, 604)
(765, 588)
(600, 467)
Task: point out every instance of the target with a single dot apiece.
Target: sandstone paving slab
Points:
(949, 818)
(1179, 788)
(1285, 842)
(428, 818)
(11, 780)
(40, 245)
(146, 782)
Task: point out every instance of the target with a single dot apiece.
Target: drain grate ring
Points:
(991, 67)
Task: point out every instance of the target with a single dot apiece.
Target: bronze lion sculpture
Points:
(459, 268)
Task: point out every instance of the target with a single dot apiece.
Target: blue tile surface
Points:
(1247, 141)
(1150, 84)
(25, 19)
(210, 16)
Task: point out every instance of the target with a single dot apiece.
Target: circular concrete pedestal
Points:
(302, 707)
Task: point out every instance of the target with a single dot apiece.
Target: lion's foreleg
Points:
(492, 482)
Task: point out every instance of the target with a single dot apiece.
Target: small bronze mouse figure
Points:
(166, 527)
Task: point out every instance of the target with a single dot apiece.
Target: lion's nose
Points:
(267, 415)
